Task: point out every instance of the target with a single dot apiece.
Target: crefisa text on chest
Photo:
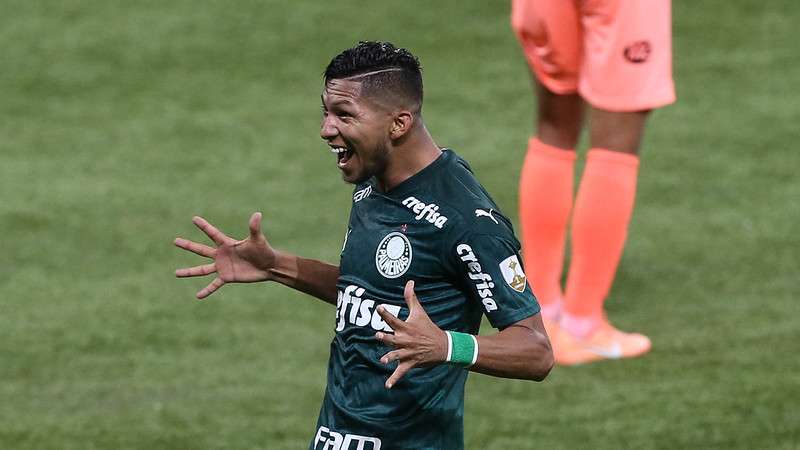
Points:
(426, 211)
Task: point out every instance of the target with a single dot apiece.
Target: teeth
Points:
(338, 150)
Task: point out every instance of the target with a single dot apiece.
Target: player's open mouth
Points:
(343, 155)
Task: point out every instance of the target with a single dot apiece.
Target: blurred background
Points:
(120, 120)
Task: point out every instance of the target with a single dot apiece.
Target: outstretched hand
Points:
(245, 261)
(417, 341)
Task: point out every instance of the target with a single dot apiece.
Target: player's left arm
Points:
(521, 350)
(487, 261)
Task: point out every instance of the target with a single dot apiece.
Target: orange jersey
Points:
(617, 54)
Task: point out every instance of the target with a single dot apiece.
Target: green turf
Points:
(120, 120)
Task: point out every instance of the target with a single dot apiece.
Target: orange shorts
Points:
(617, 54)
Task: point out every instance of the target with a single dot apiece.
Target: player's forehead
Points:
(341, 92)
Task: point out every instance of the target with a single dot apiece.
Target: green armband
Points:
(462, 348)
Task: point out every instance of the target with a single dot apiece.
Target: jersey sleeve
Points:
(490, 269)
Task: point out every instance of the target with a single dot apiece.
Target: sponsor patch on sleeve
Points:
(512, 273)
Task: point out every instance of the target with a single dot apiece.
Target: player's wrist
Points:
(284, 268)
(462, 349)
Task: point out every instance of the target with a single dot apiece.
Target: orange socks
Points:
(545, 201)
(603, 209)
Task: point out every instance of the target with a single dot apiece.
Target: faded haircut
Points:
(385, 71)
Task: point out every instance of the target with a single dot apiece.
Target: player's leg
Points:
(603, 209)
(546, 192)
(630, 75)
(549, 35)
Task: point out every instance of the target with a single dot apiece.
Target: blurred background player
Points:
(610, 60)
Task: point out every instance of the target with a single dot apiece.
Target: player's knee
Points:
(559, 117)
(553, 132)
(617, 131)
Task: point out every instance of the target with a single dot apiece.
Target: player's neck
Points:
(413, 154)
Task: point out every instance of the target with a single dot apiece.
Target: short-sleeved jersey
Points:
(441, 229)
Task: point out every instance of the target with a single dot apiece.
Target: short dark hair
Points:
(388, 70)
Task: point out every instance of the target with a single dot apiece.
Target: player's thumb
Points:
(411, 297)
(255, 226)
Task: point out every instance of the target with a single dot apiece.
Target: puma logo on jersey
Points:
(425, 211)
(332, 440)
(484, 213)
(483, 281)
(353, 308)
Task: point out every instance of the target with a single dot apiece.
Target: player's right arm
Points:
(253, 259)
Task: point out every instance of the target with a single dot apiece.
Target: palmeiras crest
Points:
(393, 257)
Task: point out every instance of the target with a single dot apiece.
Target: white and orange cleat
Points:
(606, 342)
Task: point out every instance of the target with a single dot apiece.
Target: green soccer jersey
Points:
(441, 229)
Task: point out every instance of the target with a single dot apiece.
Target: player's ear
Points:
(402, 123)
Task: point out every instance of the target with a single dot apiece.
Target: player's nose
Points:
(326, 130)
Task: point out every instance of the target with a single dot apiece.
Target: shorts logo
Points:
(513, 274)
(393, 257)
(638, 52)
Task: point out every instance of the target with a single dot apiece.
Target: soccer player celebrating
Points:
(616, 56)
(426, 255)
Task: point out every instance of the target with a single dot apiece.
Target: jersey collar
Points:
(422, 177)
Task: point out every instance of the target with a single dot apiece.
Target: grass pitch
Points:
(121, 120)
